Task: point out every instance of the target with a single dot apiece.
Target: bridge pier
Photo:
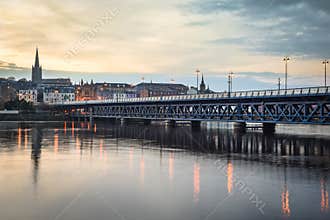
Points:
(91, 119)
(147, 121)
(240, 126)
(195, 124)
(123, 121)
(171, 123)
(268, 128)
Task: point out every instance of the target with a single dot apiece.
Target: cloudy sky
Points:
(125, 39)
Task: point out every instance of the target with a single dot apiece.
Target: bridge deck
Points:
(262, 94)
(298, 106)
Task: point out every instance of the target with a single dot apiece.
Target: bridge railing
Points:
(309, 91)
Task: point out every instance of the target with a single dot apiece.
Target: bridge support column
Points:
(171, 123)
(268, 128)
(110, 120)
(146, 121)
(123, 121)
(91, 121)
(240, 126)
(195, 124)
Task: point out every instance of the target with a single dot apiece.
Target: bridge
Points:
(309, 105)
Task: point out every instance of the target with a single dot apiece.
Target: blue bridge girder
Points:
(293, 106)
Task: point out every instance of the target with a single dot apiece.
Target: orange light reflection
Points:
(230, 170)
(324, 196)
(196, 181)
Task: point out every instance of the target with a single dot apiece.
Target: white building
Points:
(54, 96)
(192, 91)
(30, 95)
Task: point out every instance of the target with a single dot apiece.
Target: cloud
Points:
(283, 27)
(10, 66)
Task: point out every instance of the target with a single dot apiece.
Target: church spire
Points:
(202, 86)
(36, 63)
(36, 69)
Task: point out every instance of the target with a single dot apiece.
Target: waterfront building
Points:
(85, 91)
(58, 95)
(30, 95)
(115, 91)
(160, 89)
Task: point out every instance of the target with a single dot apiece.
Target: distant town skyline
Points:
(127, 40)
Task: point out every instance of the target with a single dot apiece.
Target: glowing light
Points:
(324, 196)
(170, 166)
(285, 202)
(55, 141)
(72, 129)
(196, 182)
(64, 127)
(95, 128)
(19, 138)
(77, 144)
(230, 170)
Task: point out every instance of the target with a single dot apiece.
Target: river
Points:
(69, 170)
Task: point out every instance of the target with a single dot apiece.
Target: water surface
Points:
(82, 171)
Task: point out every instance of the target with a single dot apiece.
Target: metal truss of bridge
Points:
(292, 106)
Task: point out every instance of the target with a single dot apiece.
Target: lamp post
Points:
(279, 84)
(197, 73)
(325, 63)
(286, 59)
(230, 82)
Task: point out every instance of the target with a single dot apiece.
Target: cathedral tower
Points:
(36, 69)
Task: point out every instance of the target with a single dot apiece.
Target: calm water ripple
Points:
(102, 171)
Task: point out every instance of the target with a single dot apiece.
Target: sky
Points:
(121, 40)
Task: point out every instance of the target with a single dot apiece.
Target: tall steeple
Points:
(36, 69)
(202, 86)
(36, 63)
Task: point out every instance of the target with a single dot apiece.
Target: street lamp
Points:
(230, 82)
(286, 59)
(325, 62)
(197, 73)
(279, 84)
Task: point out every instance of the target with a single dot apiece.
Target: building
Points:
(203, 89)
(7, 92)
(46, 83)
(160, 89)
(57, 82)
(36, 69)
(202, 86)
(115, 91)
(192, 91)
(30, 95)
(58, 95)
(86, 91)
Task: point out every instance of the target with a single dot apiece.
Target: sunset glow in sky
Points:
(153, 36)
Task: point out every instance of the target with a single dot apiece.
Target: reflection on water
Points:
(196, 182)
(324, 195)
(170, 166)
(229, 177)
(285, 197)
(289, 172)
